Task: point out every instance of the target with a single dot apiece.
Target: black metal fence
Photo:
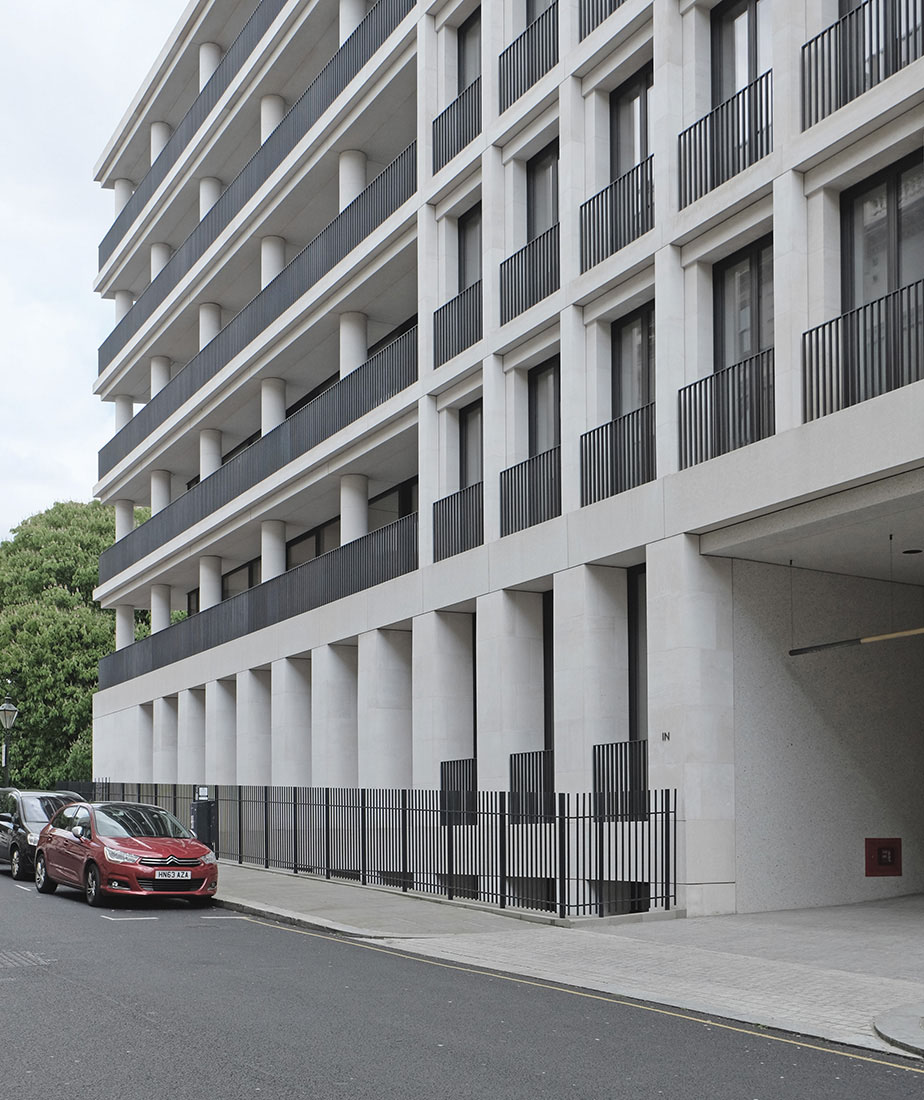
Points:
(727, 410)
(458, 522)
(380, 556)
(618, 456)
(619, 214)
(530, 275)
(593, 12)
(384, 195)
(378, 24)
(532, 787)
(858, 52)
(870, 350)
(529, 57)
(389, 371)
(620, 780)
(457, 126)
(458, 324)
(531, 491)
(575, 862)
(732, 137)
(459, 792)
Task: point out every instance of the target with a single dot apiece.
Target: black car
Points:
(22, 817)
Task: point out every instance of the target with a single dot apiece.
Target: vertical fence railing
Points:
(531, 492)
(620, 779)
(458, 522)
(593, 12)
(458, 324)
(727, 410)
(530, 275)
(858, 52)
(457, 126)
(732, 137)
(529, 57)
(532, 787)
(618, 456)
(619, 214)
(459, 792)
(871, 350)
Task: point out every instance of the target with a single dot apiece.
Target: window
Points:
(240, 579)
(744, 304)
(313, 543)
(535, 8)
(471, 467)
(390, 337)
(633, 361)
(629, 123)
(741, 35)
(542, 191)
(393, 504)
(544, 407)
(470, 247)
(469, 50)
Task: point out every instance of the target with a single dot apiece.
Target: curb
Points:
(903, 1027)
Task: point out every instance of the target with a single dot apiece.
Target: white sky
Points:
(70, 69)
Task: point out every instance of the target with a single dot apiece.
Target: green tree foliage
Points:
(52, 636)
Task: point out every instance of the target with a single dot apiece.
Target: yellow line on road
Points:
(485, 972)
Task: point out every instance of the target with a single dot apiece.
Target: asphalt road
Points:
(165, 1001)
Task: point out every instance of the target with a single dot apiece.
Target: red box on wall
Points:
(883, 856)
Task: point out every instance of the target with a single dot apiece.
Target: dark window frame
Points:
(547, 157)
(752, 251)
(551, 365)
(471, 217)
(645, 313)
(466, 37)
(641, 81)
(721, 14)
(467, 411)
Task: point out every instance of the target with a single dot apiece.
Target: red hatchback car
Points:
(123, 848)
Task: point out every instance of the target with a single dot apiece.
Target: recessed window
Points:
(468, 39)
(544, 407)
(633, 361)
(741, 36)
(744, 304)
(471, 465)
(629, 123)
(470, 247)
(542, 191)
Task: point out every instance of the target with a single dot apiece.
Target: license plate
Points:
(162, 874)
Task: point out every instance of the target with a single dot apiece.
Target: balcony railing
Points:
(458, 522)
(618, 456)
(384, 195)
(373, 559)
(378, 24)
(593, 12)
(529, 57)
(530, 275)
(858, 52)
(531, 492)
(619, 214)
(727, 410)
(388, 372)
(458, 324)
(620, 771)
(869, 351)
(532, 786)
(459, 792)
(204, 103)
(457, 126)
(737, 134)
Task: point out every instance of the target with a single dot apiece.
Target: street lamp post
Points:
(8, 713)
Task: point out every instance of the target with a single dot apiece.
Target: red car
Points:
(123, 848)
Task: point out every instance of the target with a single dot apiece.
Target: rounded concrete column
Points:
(354, 346)
(122, 191)
(351, 14)
(354, 507)
(209, 452)
(272, 548)
(124, 517)
(160, 135)
(160, 490)
(209, 57)
(209, 322)
(272, 258)
(209, 193)
(352, 170)
(124, 300)
(209, 581)
(124, 626)
(124, 406)
(160, 373)
(160, 256)
(272, 112)
(160, 607)
(272, 404)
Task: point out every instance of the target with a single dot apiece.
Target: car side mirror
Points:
(7, 818)
(78, 832)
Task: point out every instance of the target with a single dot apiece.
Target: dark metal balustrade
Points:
(378, 24)
(532, 787)
(384, 195)
(727, 410)
(529, 57)
(858, 52)
(459, 792)
(619, 214)
(531, 491)
(458, 522)
(373, 559)
(388, 372)
(530, 275)
(618, 456)
(737, 134)
(869, 351)
(235, 56)
(457, 126)
(458, 324)
(620, 771)
(593, 12)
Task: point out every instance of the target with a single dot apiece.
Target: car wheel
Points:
(44, 883)
(16, 868)
(91, 886)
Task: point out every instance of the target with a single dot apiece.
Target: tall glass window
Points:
(469, 50)
(470, 247)
(744, 304)
(741, 35)
(633, 361)
(542, 191)
(544, 407)
(629, 123)
(471, 463)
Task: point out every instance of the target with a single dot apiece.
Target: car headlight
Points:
(32, 839)
(209, 857)
(115, 856)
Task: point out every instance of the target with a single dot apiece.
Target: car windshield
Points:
(138, 821)
(42, 807)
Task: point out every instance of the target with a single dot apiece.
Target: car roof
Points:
(72, 795)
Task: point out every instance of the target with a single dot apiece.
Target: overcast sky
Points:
(70, 69)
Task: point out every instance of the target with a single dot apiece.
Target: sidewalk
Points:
(827, 973)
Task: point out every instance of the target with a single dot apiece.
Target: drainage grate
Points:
(20, 958)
